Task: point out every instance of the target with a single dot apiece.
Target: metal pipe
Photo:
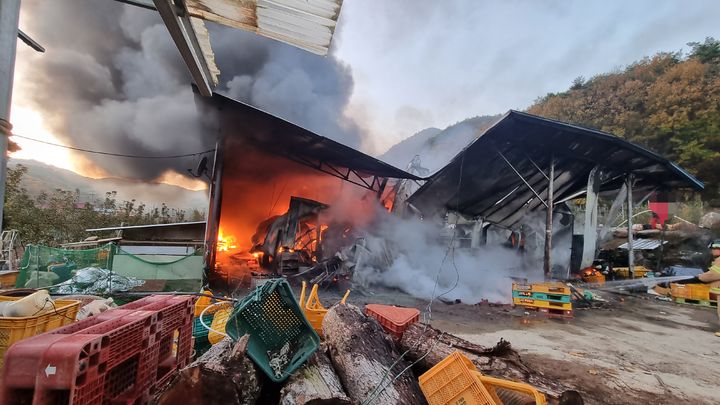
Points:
(547, 262)
(631, 252)
(9, 16)
(521, 177)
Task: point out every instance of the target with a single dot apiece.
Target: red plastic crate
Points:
(118, 357)
(393, 319)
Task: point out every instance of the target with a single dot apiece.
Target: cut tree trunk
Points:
(315, 383)
(500, 361)
(362, 354)
(223, 375)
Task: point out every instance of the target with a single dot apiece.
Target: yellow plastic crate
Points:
(452, 381)
(624, 272)
(680, 291)
(529, 302)
(699, 291)
(313, 309)
(8, 279)
(550, 287)
(219, 322)
(13, 329)
(526, 392)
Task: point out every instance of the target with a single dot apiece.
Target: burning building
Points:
(277, 192)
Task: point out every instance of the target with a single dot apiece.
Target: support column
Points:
(631, 251)
(9, 16)
(590, 229)
(547, 262)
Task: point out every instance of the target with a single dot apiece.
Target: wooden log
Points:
(362, 354)
(500, 361)
(223, 375)
(315, 383)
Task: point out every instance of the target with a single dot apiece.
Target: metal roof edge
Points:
(117, 228)
(616, 139)
(223, 98)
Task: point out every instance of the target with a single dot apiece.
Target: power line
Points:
(112, 153)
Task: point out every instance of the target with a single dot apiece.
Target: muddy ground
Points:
(637, 350)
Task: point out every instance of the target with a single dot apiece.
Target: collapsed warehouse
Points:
(286, 201)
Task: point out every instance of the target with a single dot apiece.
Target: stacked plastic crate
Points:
(120, 356)
(550, 298)
(695, 294)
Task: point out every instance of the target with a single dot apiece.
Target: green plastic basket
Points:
(273, 319)
(200, 334)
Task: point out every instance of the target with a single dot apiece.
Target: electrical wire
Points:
(113, 153)
(374, 394)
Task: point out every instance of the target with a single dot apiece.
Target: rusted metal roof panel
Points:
(306, 24)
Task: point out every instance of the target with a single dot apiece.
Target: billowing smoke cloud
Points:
(112, 79)
(411, 255)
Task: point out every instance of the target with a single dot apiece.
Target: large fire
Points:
(256, 192)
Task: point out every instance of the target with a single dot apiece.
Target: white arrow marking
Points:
(50, 370)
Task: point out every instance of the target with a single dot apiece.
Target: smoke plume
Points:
(112, 80)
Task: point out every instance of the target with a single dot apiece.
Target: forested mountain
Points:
(669, 103)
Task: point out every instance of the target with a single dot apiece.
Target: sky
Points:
(421, 63)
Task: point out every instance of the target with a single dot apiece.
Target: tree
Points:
(55, 217)
(667, 103)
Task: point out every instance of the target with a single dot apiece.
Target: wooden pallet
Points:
(700, 303)
(551, 312)
(529, 302)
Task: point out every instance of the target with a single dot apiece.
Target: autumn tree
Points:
(668, 103)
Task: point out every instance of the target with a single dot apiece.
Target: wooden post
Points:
(631, 252)
(547, 262)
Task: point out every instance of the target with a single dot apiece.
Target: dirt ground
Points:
(638, 350)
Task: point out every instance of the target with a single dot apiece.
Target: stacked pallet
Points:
(694, 294)
(550, 298)
(120, 356)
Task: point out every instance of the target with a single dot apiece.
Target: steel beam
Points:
(520, 176)
(631, 253)
(182, 33)
(547, 262)
(9, 16)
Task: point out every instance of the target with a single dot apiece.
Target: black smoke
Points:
(112, 80)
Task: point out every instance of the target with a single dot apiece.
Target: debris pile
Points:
(358, 361)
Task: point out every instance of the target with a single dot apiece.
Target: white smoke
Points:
(411, 255)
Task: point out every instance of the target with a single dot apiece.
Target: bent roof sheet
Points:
(284, 138)
(479, 183)
(306, 24)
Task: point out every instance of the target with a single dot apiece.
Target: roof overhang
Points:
(306, 24)
(503, 174)
(280, 137)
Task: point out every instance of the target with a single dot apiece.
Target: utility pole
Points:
(9, 17)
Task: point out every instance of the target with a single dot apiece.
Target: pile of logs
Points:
(357, 363)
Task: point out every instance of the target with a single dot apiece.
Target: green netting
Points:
(44, 266)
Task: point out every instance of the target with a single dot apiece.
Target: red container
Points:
(121, 356)
(393, 319)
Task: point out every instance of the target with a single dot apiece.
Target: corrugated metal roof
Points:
(306, 24)
(117, 228)
(643, 244)
(479, 182)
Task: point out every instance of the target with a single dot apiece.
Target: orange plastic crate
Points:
(699, 291)
(680, 291)
(452, 382)
(393, 319)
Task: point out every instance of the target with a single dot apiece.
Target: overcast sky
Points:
(420, 63)
(404, 64)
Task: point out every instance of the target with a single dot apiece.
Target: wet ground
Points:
(638, 350)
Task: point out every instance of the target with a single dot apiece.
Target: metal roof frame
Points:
(280, 137)
(502, 175)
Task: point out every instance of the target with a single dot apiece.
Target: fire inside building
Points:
(285, 201)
